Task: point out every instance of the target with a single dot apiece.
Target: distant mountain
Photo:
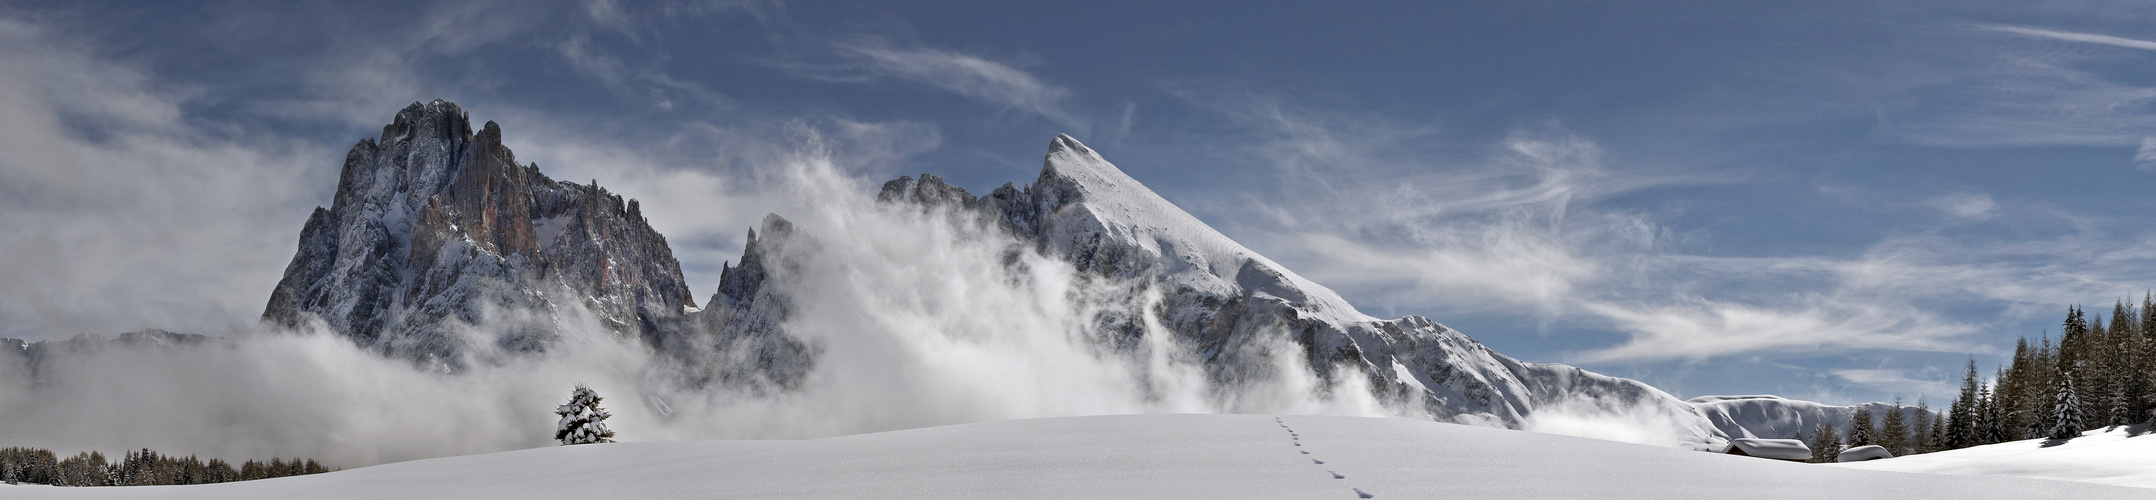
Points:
(31, 357)
(1775, 417)
(432, 224)
(1225, 299)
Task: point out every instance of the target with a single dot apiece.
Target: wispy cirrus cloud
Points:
(1368, 207)
(1901, 382)
(1995, 85)
(2069, 36)
(973, 76)
(1697, 328)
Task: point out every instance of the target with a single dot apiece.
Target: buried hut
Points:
(1778, 449)
(1862, 453)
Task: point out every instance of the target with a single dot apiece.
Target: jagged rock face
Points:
(737, 340)
(1226, 300)
(434, 223)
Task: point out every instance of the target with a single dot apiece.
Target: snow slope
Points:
(1129, 456)
(2103, 456)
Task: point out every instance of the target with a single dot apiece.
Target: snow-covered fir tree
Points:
(1826, 444)
(1961, 418)
(1988, 427)
(2066, 412)
(582, 420)
(2121, 411)
(1860, 427)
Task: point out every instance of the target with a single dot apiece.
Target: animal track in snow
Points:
(1297, 440)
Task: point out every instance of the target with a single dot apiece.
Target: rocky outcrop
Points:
(435, 225)
(738, 339)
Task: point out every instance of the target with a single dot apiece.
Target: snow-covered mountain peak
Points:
(1234, 307)
(1087, 192)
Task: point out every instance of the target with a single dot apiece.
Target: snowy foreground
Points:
(2103, 456)
(1145, 456)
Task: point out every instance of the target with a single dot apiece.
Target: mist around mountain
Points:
(447, 288)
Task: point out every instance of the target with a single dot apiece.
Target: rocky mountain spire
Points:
(435, 225)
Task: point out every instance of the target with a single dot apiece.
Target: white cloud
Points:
(2145, 156)
(2069, 36)
(1417, 232)
(119, 215)
(963, 74)
(1695, 328)
(1992, 90)
(1965, 205)
(1899, 381)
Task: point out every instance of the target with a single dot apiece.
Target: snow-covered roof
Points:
(1862, 453)
(1784, 449)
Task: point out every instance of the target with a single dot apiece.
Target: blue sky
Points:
(1829, 200)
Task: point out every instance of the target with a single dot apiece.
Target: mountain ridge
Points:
(1222, 298)
(436, 226)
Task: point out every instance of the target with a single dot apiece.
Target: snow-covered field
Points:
(1130, 456)
(2104, 456)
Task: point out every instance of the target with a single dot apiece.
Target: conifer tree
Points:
(1894, 432)
(1826, 444)
(1980, 430)
(1920, 439)
(2011, 390)
(2121, 410)
(1995, 430)
(1936, 441)
(1860, 427)
(2066, 413)
(1961, 421)
(582, 420)
(2074, 352)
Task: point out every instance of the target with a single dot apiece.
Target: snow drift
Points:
(1137, 456)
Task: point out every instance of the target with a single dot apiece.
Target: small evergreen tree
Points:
(1826, 445)
(1860, 427)
(1937, 439)
(582, 420)
(1920, 440)
(1894, 432)
(2121, 411)
(1961, 419)
(2066, 412)
(1987, 428)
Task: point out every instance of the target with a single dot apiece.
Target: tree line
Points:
(138, 468)
(2094, 376)
(1900, 431)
